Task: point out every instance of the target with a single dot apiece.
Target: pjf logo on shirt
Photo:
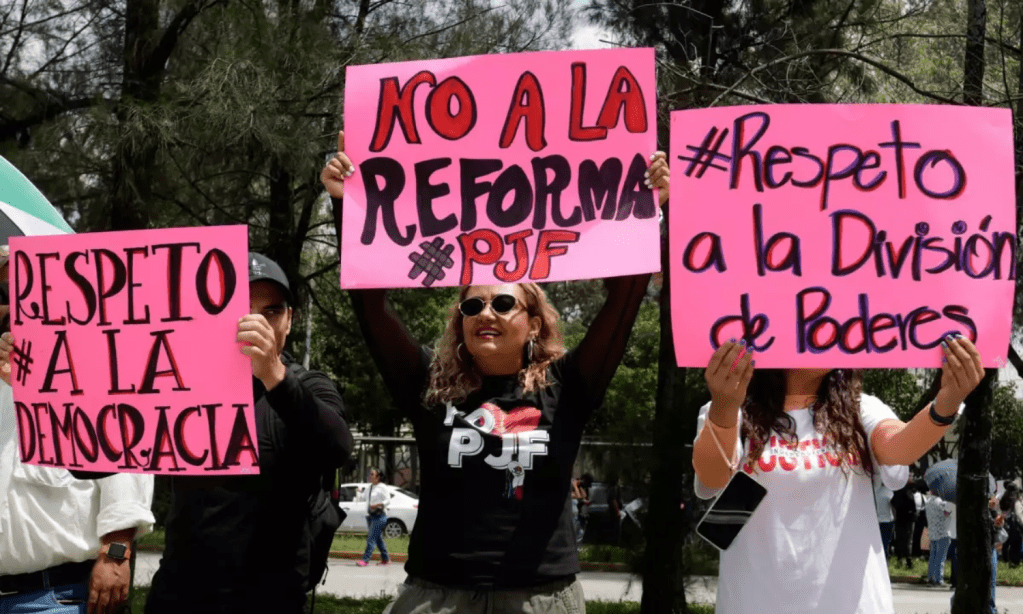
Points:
(521, 441)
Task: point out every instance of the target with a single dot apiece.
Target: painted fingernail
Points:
(653, 156)
(646, 174)
(742, 343)
(753, 363)
(732, 340)
(944, 345)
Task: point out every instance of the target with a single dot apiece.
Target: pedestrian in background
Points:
(1012, 509)
(919, 498)
(953, 546)
(938, 513)
(376, 518)
(583, 507)
(905, 519)
(885, 514)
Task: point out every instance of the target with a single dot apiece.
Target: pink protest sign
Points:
(126, 356)
(842, 235)
(499, 169)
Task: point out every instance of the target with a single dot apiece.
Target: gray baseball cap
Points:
(262, 268)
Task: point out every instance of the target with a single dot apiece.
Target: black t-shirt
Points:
(233, 542)
(496, 476)
(496, 507)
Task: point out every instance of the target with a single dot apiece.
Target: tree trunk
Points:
(663, 573)
(973, 522)
(135, 153)
(280, 236)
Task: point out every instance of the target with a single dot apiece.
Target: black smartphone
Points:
(731, 511)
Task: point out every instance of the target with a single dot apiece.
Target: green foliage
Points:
(1006, 432)
(628, 410)
(900, 389)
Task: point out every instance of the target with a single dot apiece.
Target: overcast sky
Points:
(586, 36)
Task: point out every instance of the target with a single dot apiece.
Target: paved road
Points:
(344, 578)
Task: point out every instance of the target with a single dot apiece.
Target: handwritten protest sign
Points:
(842, 236)
(126, 355)
(499, 169)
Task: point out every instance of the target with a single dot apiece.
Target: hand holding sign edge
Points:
(728, 375)
(658, 175)
(961, 371)
(338, 169)
(6, 347)
(267, 366)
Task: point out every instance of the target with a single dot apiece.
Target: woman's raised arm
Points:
(602, 349)
(394, 350)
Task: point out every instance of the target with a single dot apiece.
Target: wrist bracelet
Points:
(940, 420)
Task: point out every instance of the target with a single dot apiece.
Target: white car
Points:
(402, 509)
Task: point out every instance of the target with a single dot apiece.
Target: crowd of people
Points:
(920, 518)
(498, 408)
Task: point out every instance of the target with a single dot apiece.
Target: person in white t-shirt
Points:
(940, 531)
(813, 439)
(885, 514)
(377, 498)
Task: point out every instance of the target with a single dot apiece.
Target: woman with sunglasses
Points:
(498, 411)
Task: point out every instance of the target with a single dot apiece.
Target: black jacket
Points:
(231, 541)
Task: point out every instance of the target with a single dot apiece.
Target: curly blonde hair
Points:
(453, 373)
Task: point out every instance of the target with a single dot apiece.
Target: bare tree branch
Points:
(837, 52)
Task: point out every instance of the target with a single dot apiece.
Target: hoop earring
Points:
(529, 351)
(458, 354)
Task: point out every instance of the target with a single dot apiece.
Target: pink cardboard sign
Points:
(842, 235)
(500, 169)
(126, 357)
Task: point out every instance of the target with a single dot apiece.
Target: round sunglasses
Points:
(501, 304)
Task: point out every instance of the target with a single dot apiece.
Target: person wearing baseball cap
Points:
(240, 543)
(262, 268)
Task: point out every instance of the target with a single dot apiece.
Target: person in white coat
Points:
(64, 543)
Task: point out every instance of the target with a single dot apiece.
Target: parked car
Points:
(402, 509)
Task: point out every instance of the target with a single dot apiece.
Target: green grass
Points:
(152, 539)
(1012, 575)
(357, 543)
(601, 553)
(701, 559)
(328, 604)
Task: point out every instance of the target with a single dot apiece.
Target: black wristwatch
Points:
(116, 551)
(940, 420)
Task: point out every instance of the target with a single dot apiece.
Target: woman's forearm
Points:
(903, 443)
(714, 466)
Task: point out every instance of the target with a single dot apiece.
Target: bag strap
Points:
(733, 462)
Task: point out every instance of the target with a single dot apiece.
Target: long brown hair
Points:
(836, 414)
(453, 373)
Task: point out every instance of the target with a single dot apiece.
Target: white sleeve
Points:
(702, 491)
(873, 412)
(125, 501)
